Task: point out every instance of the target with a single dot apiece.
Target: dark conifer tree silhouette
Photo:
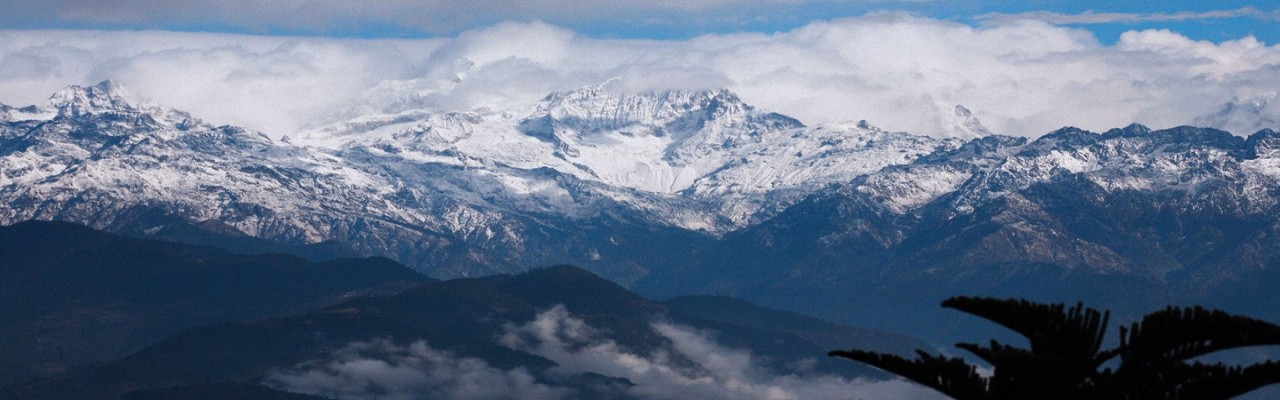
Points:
(1066, 356)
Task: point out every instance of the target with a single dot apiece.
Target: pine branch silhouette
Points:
(1066, 354)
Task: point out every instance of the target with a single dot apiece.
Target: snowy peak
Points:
(612, 110)
(89, 122)
(674, 112)
(706, 149)
(72, 101)
(1264, 142)
(106, 96)
(1182, 162)
(961, 123)
(1179, 139)
(674, 128)
(110, 99)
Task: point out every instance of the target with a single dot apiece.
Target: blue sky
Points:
(659, 19)
(1022, 67)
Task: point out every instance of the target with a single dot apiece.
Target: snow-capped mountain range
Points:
(626, 184)
(416, 183)
(699, 160)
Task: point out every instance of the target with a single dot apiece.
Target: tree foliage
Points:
(1065, 360)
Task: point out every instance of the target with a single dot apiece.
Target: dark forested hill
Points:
(569, 332)
(72, 295)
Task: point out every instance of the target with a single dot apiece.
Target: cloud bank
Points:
(383, 370)
(897, 71)
(720, 374)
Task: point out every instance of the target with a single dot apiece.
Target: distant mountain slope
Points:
(1131, 218)
(825, 334)
(73, 295)
(559, 325)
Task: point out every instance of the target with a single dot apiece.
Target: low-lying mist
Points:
(691, 365)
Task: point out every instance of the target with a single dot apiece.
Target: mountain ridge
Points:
(675, 193)
(785, 214)
(412, 180)
(1133, 217)
(75, 295)
(486, 322)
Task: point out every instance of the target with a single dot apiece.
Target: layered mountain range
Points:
(678, 192)
(93, 315)
(76, 296)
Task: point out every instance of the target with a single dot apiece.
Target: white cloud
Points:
(1022, 78)
(382, 370)
(270, 83)
(719, 372)
(1247, 114)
